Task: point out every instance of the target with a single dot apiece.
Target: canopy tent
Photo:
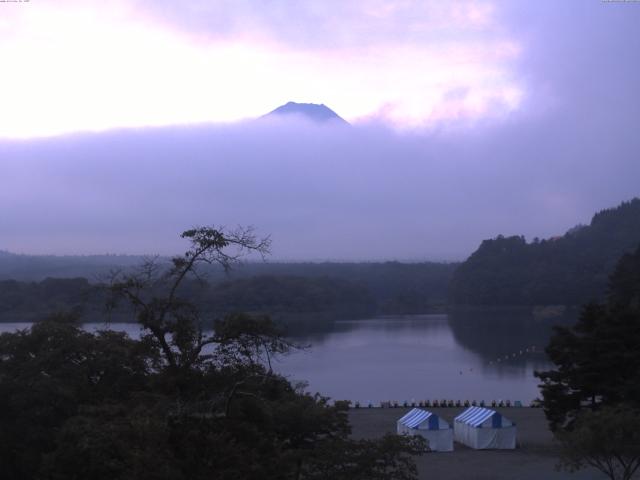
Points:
(434, 429)
(482, 428)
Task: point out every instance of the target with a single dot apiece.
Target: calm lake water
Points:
(469, 355)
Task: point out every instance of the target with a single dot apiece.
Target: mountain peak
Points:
(319, 113)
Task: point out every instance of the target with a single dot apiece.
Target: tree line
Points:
(569, 270)
(354, 292)
(592, 396)
(279, 296)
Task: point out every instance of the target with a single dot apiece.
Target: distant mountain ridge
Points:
(569, 270)
(319, 113)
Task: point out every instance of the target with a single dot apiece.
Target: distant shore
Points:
(540, 312)
(534, 458)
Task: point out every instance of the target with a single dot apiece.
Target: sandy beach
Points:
(534, 458)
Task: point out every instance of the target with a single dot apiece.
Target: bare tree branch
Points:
(153, 291)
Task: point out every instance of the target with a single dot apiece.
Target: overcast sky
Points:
(124, 122)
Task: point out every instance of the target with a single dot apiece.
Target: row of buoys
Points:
(531, 349)
(441, 404)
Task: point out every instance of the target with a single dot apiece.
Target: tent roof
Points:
(415, 417)
(475, 416)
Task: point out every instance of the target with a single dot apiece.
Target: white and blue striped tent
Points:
(482, 428)
(434, 429)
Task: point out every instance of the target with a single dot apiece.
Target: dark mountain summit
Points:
(312, 111)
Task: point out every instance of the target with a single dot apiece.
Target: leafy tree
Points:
(625, 282)
(389, 457)
(592, 398)
(598, 360)
(607, 439)
(173, 323)
(180, 403)
(48, 372)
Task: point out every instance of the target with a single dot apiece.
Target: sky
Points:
(87, 65)
(123, 123)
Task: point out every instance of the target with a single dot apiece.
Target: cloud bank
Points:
(93, 66)
(341, 193)
(434, 190)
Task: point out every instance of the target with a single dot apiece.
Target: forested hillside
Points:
(283, 297)
(39, 267)
(396, 287)
(292, 298)
(36, 285)
(289, 294)
(568, 270)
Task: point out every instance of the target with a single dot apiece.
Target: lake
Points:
(472, 355)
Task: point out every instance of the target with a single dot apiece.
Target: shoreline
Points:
(534, 458)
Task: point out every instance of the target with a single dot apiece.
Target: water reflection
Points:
(427, 356)
(418, 357)
(322, 332)
(508, 340)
